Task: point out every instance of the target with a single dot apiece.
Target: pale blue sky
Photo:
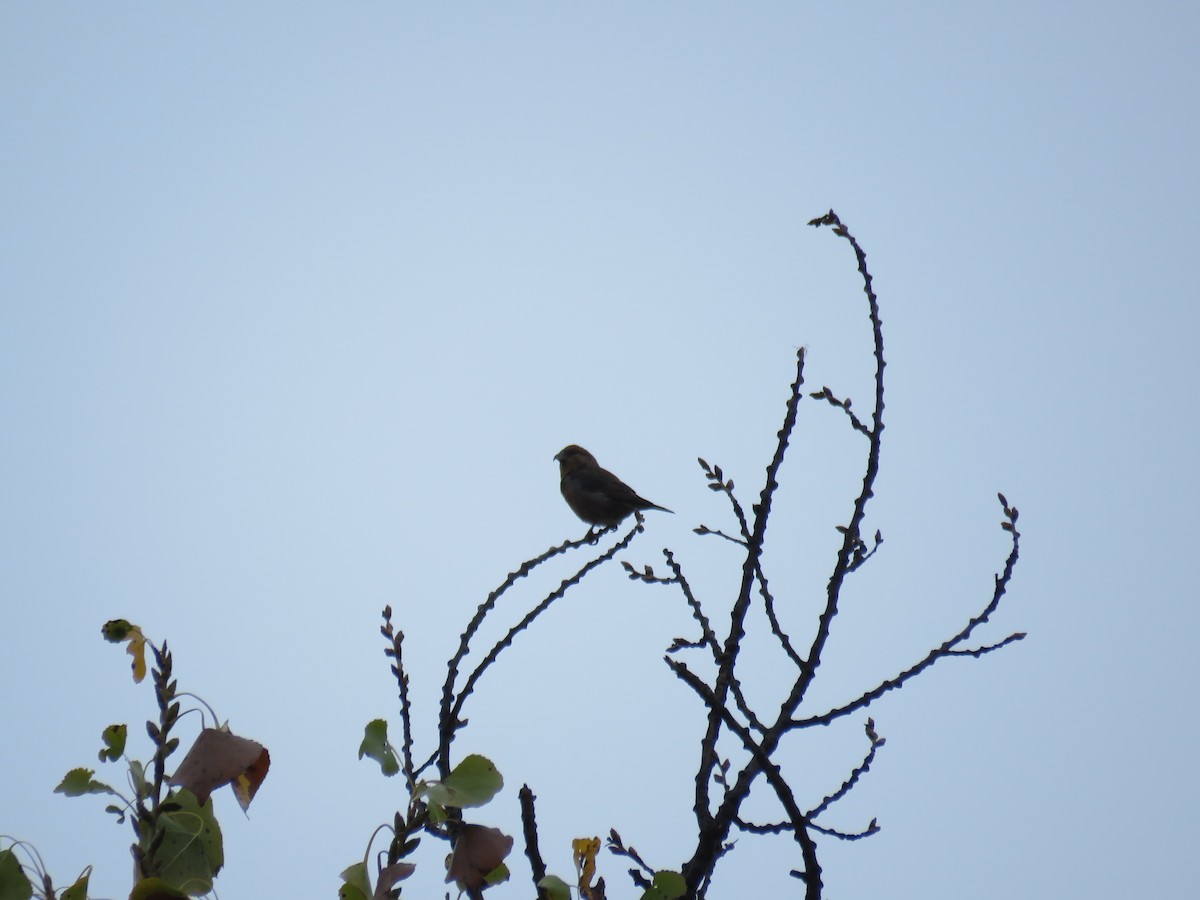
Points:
(297, 302)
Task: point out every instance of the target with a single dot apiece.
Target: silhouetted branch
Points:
(871, 829)
(717, 482)
(760, 754)
(713, 831)
(710, 637)
(452, 706)
(394, 652)
(769, 606)
(862, 554)
(709, 640)
(477, 620)
(704, 529)
(646, 575)
(715, 827)
(988, 648)
(763, 827)
(529, 828)
(861, 769)
(844, 405)
(851, 533)
(643, 873)
(946, 648)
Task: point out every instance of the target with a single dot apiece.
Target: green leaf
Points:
(190, 853)
(498, 875)
(670, 883)
(375, 745)
(666, 885)
(155, 889)
(114, 742)
(350, 892)
(14, 883)
(473, 782)
(116, 630)
(77, 891)
(356, 877)
(137, 773)
(78, 782)
(437, 812)
(555, 888)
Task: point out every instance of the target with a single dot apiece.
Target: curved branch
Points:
(470, 631)
(947, 648)
(452, 706)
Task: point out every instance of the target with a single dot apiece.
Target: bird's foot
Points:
(596, 532)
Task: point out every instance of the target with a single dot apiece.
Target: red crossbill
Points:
(596, 495)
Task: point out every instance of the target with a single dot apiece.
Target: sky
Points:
(298, 301)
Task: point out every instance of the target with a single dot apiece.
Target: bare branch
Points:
(762, 828)
(717, 482)
(861, 769)
(988, 648)
(785, 642)
(617, 847)
(706, 629)
(712, 832)
(847, 836)
(844, 405)
(762, 756)
(947, 648)
(394, 652)
(704, 529)
(529, 828)
(451, 716)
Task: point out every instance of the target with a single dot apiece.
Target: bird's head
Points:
(573, 455)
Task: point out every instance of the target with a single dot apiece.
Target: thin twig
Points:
(395, 652)
(861, 769)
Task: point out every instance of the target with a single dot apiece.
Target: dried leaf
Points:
(219, 758)
(478, 851)
(390, 876)
(585, 850)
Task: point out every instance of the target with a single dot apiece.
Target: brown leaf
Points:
(389, 876)
(219, 758)
(477, 851)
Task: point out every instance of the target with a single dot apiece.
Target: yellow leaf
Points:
(137, 649)
(585, 850)
(118, 630)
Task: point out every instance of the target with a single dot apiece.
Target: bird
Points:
(594, 494)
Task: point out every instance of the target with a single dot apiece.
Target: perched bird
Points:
(596, 495)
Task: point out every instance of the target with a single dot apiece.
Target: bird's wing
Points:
(603, 483)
